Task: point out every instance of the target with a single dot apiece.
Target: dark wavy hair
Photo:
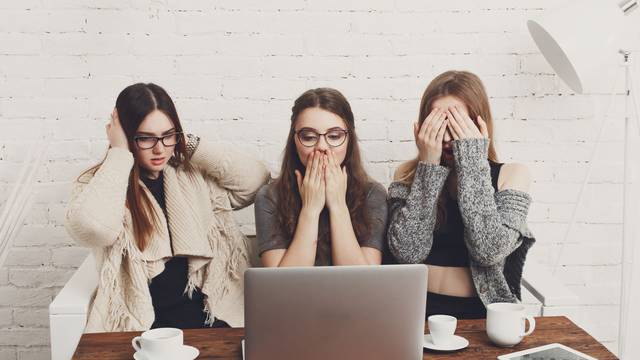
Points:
(286, 187)
(133, 105)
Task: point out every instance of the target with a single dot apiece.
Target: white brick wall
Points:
(234, 68)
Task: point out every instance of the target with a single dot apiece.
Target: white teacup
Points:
(441, 329)
(506, 323)
(160, 343)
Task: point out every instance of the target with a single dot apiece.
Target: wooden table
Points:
(225, 343)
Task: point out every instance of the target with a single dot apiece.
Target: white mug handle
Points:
(136, 343)
(532, 325)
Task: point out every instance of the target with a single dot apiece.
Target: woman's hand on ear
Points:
(115, 133)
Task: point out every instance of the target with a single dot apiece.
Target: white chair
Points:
(68, 311)
(542, 295)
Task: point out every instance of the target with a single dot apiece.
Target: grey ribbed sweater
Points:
(496, 233)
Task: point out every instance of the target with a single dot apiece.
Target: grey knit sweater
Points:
(496, 233)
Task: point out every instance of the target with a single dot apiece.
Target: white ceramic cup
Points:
(506, 323)
(160, 343)
(441, 328)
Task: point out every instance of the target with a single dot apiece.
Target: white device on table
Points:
(336, 312)
(551, 351)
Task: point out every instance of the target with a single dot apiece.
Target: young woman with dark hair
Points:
(323, 209)
(157, 214)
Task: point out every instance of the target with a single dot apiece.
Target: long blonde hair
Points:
(469, 89)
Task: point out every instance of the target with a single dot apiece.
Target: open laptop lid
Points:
(338, 312)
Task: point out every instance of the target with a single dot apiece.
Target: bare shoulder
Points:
(514, 176)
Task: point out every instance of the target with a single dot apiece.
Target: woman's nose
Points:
(447, 136)
(322, 145)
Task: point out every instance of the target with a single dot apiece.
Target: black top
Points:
(171, 304)
(449, 248)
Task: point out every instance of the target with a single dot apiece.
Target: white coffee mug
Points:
(441, 328)
(160, 343)
(506, 323)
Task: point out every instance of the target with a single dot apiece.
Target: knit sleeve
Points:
(96, 211)
(494, 221)
(412, 213)
(240, 174)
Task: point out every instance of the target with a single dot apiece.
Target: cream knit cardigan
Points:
(202, 228)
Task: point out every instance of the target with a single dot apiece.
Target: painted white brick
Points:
(219, 22)
(68, 257)
(24, 336)
(256, 44)
(397, 23)
(351, 5)
(11, 295)
(375, 151)
(40, 108)
(55, 192)
(8, 353)
(30, 317)
(129, 65)
(6, 317)
(68, 150)
(128, 21)
(4, 276)
(19, 44)
(21, 87)
(43, 235)
(42, 277)
(381, 172)
(371, 130)
(38, 67)
(21, 5)
(347, 45)
(605, 252)
(37, 214)
(252, 4)
(308, 22)
(34, 353)
(219, 66)
(262, 90)
(585, 275)
(28, 256)
(429, 43)
(306, 67)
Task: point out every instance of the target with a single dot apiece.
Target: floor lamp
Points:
(583, 42)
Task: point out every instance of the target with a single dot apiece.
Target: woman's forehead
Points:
(319, 119)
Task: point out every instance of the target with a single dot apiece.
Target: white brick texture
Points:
(234, 69)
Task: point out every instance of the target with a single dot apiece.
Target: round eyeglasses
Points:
(333, 137)
(145, 142)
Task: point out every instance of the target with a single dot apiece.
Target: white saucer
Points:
(186, 353)
(456, 343)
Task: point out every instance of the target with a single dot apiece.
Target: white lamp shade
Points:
(581, 41)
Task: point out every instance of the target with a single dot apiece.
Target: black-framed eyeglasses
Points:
(333, 137)
(145, 142)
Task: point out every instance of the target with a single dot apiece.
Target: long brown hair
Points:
(286, 187)
(133, 104)
(469, 89)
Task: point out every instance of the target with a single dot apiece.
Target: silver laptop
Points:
(337, 312)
